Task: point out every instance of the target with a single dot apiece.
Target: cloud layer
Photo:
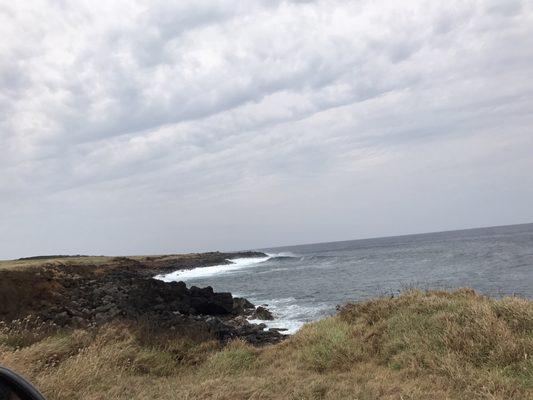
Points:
(155, 126)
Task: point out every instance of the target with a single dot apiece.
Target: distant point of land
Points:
(51, 256)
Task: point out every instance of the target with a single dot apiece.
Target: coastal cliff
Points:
(81, 292)
(145, 339)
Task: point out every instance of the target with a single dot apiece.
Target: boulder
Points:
(242, 306)
(61, 318)
(213, 304)
(262, 313)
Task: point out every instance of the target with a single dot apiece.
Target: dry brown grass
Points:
(98, 260)
(30, 263)
(85, 260)
(433, 345)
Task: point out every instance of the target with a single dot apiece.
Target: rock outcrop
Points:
(262, 313)
(71, 296)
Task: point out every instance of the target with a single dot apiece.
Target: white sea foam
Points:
(290, 326)
(289, 315)
(282, 254)
(202, 272)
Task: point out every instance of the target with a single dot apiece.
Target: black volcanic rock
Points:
(84, 295)
(242, 306)
(262, 313)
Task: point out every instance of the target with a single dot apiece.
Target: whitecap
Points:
(289, 327)
(202, 272)
(291, 316)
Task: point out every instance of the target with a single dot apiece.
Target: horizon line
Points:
(390, 236)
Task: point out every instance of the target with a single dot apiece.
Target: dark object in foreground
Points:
(15, 387)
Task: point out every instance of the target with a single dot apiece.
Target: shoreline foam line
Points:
(201, 272)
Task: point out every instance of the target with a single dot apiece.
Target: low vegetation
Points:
(419, 345)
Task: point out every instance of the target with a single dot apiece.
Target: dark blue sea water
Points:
(304, 283)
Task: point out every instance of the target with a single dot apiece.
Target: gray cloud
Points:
(147, 127)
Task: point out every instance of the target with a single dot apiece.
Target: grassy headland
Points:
(420, 345)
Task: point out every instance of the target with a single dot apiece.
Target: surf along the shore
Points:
(289, 315)
(285, 313)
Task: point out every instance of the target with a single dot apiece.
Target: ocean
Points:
(304, 283)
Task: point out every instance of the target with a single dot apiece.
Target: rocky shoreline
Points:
(66, 294)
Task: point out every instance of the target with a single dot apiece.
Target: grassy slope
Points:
(85, 260)
(21, 264)
(191, 259)
(420, 345)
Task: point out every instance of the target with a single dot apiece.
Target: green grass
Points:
(322, 345)
(236, 358)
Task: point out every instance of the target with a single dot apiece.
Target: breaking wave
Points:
(202, 272)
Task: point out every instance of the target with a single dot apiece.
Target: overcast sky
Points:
(145, 127)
